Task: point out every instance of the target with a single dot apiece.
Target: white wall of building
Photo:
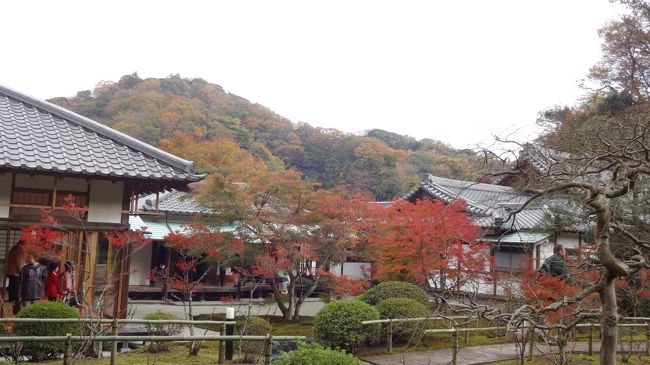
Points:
(105, 202)
(355, 270)
(72, 184)
(5, 195)
(34, 181)
(140, 266)
(545, 251)
(568, 240)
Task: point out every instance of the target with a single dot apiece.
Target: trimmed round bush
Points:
(162, 329)
(406, 332)
(253, 326)
(315, 354)
(394, 289)
(43, 350)
(338, 324)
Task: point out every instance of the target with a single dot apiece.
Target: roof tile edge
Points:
(175, 161)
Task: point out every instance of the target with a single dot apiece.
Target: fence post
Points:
(591, 339)
(454, 340)
(114, 332)
(269, 349)
(466, 337)
(66, 349)
(647, 339)
(230, 330)
(389, 339)
(221, 348)
(531, 339)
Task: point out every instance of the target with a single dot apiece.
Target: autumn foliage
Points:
(423, 241)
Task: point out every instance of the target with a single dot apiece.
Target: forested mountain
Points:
(160, 111)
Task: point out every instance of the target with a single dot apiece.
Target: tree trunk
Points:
(278, 300)
(194, 345)
(609, 323)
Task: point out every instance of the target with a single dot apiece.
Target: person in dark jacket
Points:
(15, 261)
(32, 281)
(555, 265)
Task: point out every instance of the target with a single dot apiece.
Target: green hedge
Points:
(43, 350)
(338, 324)
(394, 289)
(162, 329)
(406, 332)
(253, 326)
(314, 354)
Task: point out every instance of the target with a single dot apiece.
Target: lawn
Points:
(281, 327)
(177, 355)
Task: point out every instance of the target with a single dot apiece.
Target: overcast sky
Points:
(456, 71)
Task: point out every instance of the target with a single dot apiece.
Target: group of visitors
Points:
(31, 279)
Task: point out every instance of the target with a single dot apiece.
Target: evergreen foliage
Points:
(338, 324)
(43, 350)
(314, 354)
(394, 289)
(405, 332)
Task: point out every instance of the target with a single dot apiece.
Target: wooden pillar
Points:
(90, 264)
(122, 265)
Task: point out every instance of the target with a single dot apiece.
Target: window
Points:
(510, 259)
(31, 197)
(29, 202)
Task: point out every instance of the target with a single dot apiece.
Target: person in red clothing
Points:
(52, 282)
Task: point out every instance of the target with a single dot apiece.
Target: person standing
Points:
(32, 280)
(15, 261)
(66, 284)
(52, 282)
(556, 265)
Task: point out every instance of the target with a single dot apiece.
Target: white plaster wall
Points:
(568, 240)
(34, 182)
(509, 288)
(140, 266)
(478, 286)
(545, 251)
(5, 195)
(356, 270)
(105, 203)
(72, 184)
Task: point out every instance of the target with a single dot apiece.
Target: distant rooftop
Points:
(172, 201)
(488, 205)
(480, 198)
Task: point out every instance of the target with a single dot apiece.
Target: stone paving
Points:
(257, 308)
(472, 355)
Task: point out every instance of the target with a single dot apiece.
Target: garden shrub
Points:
(394, 289)
(43, 350)
(253, 326)
(643, 308)
(314, 354)
(162, 329)
(338, 324)
(407, 332)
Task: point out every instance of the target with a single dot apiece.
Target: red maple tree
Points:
(425, 242)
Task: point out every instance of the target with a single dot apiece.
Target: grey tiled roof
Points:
(540, 158)
(527, 219)
(37, 135)
(480, 198)
(172, 201)
(489, 205)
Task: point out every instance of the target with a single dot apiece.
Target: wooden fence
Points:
(456, 331)
(115, 338)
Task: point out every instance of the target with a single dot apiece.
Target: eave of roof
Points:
(175, 162)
